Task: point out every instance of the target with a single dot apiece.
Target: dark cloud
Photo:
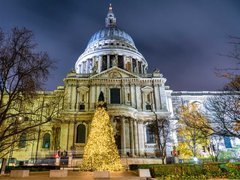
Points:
(182, 38)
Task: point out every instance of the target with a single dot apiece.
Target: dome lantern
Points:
(110, 20)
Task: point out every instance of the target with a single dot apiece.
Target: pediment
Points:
(147, 89)
(82, 89)
(114, 73)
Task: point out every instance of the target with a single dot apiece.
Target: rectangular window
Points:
(81, 133)
(115, 95)
(134, 64)
(120, 62)
(104, 63)
(227, 142)
(150, 134)
(148, 106)
(140, 67)
(81, 107)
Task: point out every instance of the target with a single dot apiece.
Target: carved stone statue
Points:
(95, 67)
(115, 62)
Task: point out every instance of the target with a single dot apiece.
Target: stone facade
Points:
(112, 64)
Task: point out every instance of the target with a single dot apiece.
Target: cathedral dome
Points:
(108, 47)
(111, 33)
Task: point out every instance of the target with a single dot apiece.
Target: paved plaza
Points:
(74, 175)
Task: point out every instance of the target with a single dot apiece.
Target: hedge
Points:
(192, 171)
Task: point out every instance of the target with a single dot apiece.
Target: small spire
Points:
(110, 8)
(110, 20)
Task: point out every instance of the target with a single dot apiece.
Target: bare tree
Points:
(223, 114)
(23, 71)
(232, 73)
(161, 129)
(213, 148)
(223, 111)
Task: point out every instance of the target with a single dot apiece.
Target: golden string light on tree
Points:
(100, 152)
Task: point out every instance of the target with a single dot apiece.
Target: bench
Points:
(19, 173)
(58, 173)
(101, 174)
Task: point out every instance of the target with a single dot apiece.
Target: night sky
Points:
(183, 38)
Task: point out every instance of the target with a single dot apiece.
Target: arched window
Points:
(22, 141)
(150, 134)
(46, 141)
(81, 133)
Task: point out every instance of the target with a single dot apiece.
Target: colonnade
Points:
(103, 62)
(132, 136)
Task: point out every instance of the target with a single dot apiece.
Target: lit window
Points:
(81, 133)
(46, 141)
(82, 106)
(150, 134)
(148, 106)
(115, 95)
(227, 142)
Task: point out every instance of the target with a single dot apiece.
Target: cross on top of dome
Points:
(110, 20)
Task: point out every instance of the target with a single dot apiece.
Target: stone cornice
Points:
(204, 93)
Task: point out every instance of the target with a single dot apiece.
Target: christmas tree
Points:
(100, 152)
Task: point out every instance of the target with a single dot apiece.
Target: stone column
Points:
(157, 98)
(97, 92)
(141, 138)
(92, 96)
(99, 64)
(124, 62)
(144, 95)
(153, 101)
(163, 97)
(81, 70)
(74, 100)
(123, 139)
(78, 100)
(133, 94)
(137, 70)
(136, 138)
(127, 135)
(108, 61)
(71, 135)
(74, 132)
(71, 97)
(87, 66)
(138, 97)
(132, 70)
(64, 135)
(123, 94)
(131, 137)
(87, 101)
